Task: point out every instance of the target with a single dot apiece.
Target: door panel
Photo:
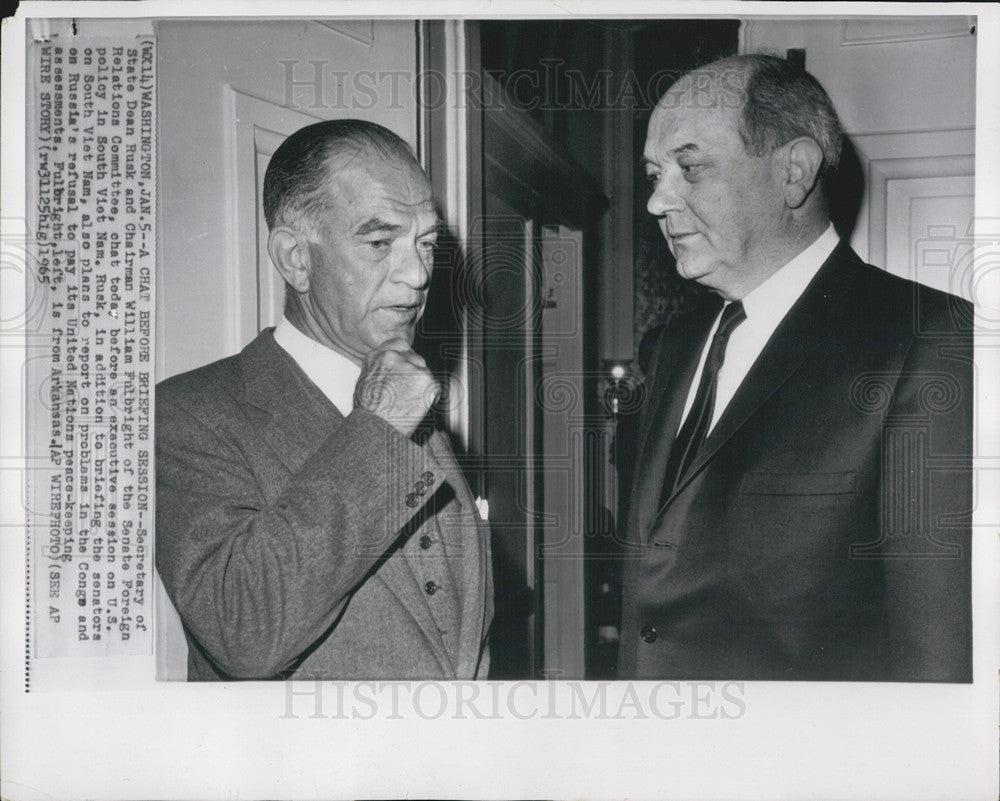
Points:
(560, 397)
(510, 298)
(255, 128)
(928, 235)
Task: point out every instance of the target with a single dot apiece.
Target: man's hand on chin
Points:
(396, 385)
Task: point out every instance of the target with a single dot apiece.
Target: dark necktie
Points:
(692, 433)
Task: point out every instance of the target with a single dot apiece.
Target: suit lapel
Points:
(299, 416)
(678, 355)
(798, 335)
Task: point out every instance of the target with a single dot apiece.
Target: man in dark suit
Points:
(802, 494)
(309, 522)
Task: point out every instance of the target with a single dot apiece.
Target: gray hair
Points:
(297, 180)
(781, 103)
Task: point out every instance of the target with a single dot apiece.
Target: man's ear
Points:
(289, 251)
(802, 160)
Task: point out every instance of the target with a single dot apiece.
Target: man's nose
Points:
(664, 197)
(413, 268)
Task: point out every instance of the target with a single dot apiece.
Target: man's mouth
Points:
(403, 308)
(671, 233)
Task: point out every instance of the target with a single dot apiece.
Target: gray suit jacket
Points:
(296, 542)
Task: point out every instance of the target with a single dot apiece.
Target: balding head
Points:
(776, 103)
(736, 152)
(297, 184)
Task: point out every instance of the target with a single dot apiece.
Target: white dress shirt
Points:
(332, 372)
(765, 307)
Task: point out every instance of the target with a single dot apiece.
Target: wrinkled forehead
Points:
(701, 106)
(721, 86)
(363, 176)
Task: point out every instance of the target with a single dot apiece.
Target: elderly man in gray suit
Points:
(310, 524)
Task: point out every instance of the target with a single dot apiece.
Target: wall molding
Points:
(961, 138)
(895, 156)
(914, 243)
(254, 129)
(361, 31)
(865, 31)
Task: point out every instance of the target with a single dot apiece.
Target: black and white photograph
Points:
(598, 396)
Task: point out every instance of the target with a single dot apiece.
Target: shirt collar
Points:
(332, 372)
(773, 298)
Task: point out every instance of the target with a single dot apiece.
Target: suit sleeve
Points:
(257, 580)
(925, 513)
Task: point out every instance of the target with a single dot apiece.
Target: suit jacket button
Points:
(425, 542)
(648, 634)
(420, 488)
(427, 478)
(412, 500)
(430, 588)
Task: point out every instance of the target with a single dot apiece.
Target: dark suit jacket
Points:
(823, 531)
(296, 542)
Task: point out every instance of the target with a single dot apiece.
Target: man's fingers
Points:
(398, 345)
(396, 348)
(434, 389)
(396, 385)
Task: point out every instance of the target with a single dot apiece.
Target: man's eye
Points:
(652, 177)
(379, 244)
(690, 169)
(427, 244)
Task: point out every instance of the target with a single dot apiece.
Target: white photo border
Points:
(779, 740)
